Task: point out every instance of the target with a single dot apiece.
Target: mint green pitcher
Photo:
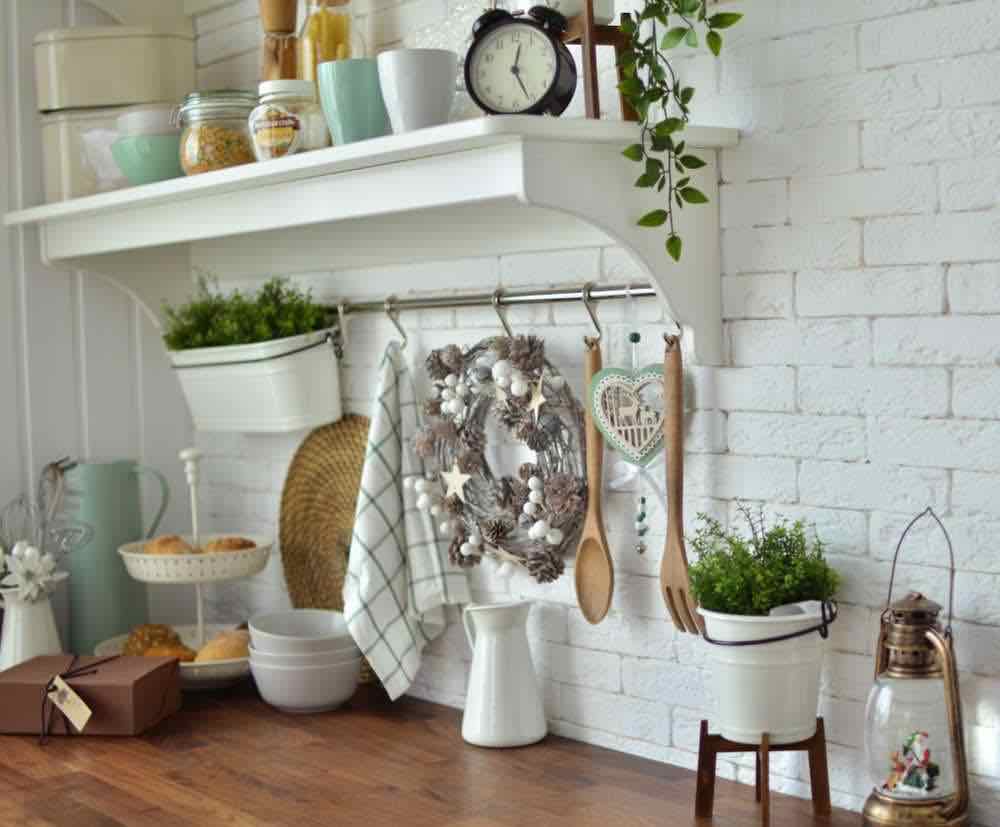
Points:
(104, 600)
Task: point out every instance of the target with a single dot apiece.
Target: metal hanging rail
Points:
(503, 298)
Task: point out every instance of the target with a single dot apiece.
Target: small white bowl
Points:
(302, 690)
(331, 658)
(300, 631)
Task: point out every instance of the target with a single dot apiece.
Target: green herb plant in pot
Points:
(261, 362)
(766, 599)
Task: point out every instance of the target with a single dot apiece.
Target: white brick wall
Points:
(861, 293)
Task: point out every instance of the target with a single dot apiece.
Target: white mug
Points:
(418, 86)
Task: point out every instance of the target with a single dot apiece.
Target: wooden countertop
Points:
(228, 759)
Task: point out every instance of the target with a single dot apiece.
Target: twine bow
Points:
(73, 671)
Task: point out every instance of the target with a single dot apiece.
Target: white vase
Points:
(503, 707)
(29, 629)
(769, 687)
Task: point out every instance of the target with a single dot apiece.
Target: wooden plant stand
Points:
(583, 30)
(711, 746)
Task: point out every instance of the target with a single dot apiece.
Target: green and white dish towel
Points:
(399, 577)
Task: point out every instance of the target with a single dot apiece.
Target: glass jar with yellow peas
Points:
(328, 33)
(215, 134)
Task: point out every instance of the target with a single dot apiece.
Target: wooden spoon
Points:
(595, 574)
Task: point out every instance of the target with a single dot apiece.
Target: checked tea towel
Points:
(399, 577)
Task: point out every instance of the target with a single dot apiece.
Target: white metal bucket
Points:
(768, 687)
(282, 385)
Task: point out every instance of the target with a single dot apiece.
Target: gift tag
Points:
(69, 703)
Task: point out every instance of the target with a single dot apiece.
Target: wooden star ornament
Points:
(537, 399)
(455, 480)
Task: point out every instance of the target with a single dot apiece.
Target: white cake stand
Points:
(195, 569)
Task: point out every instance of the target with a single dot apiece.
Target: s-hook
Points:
(393, 313)
(495, 301)
(588, 302)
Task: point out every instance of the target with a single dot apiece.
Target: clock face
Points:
(512, 67)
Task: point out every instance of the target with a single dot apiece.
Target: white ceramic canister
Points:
(93, 66)
(288, 120)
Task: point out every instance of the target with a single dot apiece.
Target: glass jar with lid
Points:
(288, 120)
(215, 132)
(328, 33)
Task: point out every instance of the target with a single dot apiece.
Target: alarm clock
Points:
(518, 65)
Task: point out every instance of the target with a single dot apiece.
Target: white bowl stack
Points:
(304, 660)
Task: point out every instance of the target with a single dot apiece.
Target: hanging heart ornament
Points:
(627, 406)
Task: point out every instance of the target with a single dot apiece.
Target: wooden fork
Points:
(674, 583)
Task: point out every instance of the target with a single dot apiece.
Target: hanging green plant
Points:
(650, 84)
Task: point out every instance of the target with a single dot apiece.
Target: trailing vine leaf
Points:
(651, 86)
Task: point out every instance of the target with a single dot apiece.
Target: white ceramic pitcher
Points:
(503, 707)
(29, 628)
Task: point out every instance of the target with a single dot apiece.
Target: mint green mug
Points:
(351, 97)
(104, 600)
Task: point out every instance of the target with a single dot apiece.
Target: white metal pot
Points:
(766, 687)
(503, 707)
(281, 385)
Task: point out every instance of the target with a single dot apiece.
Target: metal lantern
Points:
(913, 729)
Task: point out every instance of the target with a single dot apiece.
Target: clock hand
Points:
(521, 84)
(517, 57)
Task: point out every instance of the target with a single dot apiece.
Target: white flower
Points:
(30, 572)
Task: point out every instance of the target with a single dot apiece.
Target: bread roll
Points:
(168, 544)
(226, 646)
(171, 650)
(142, 638)
(228, 544)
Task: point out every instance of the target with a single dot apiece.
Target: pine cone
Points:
(436, 367)
(527, 471)
(534, 437)
(528, 353)
(501, 347)
(545, 566)
(424, 442)
(432, 407)
(456, 556)
(445, 430)
(565, 494)
(474, 438)
(510, 416)
(453, 505)
(496, 530)
(513, 494)
(452, 358)
(469, 462)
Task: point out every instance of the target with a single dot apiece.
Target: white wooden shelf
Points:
(480, 187)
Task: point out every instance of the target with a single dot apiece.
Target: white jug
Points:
(503, 707)
(29, 628)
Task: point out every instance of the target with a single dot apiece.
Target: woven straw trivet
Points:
(317, 514)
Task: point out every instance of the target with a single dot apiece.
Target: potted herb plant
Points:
(766, 599)
(255, 363)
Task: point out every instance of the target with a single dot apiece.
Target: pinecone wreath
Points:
(502, 394)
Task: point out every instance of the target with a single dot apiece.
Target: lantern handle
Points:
(951, 554)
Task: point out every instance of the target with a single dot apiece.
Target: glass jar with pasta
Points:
(215, 132)
(328, 33)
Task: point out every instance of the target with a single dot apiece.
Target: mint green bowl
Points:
(144, 159)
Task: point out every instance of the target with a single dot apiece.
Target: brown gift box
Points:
(126, 695)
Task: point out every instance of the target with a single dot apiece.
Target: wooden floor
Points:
(230, 760)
